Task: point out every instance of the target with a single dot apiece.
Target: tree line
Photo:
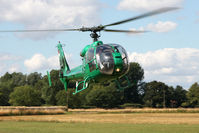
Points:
(18, 89)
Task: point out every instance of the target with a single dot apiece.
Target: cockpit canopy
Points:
(107, 62)
(110, 59)
(105, 59)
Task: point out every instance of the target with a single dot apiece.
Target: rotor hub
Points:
(95, 36)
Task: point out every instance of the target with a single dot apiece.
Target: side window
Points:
(89, 55)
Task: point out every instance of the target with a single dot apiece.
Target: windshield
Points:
(105, 59)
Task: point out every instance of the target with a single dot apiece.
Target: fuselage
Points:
(101, 61)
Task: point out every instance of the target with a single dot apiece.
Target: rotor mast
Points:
(94, 35)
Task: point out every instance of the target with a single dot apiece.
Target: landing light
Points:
(117, 70)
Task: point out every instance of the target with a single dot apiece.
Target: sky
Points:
(168, 53)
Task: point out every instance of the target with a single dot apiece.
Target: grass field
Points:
(131, 118)
(98, 121)
(54, 127)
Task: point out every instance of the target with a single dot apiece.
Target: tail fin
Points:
(63, 63)
(64, 68)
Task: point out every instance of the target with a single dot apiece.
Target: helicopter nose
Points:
(118, 62)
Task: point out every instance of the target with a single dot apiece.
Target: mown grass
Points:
(92, 122)
(56, 127)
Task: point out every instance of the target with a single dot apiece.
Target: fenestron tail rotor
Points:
(99, 28)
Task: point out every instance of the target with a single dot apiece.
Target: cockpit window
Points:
(105, 59)
(89, 59)
(105, 48)
(90, 54)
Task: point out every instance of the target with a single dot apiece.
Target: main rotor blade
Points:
(155, 12)
(125, 31)
(46, 30)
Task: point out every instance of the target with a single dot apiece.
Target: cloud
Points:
(2, 68)
(147, 5)
(8, 57)
(14, 68)
(49, 14)
(170, 65)
(161, 26)
(39, 62)
(9, 63)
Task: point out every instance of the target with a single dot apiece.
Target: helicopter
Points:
(100, 62)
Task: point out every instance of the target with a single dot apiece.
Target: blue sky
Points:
(169, 53)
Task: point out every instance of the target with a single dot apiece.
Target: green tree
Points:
(74, 101)
(25, 96)
(33, 78)
(104, 96)
(134, 93)
(49, 93)
(193, 95)
(13, 80)
(61, 98)
(5, 89)
(157, 94)
(77, 100)
(6, 77)
(7, 83)
(179, 96)
(4, 96)
(18, 79)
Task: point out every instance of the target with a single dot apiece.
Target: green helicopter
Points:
(101, 62)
